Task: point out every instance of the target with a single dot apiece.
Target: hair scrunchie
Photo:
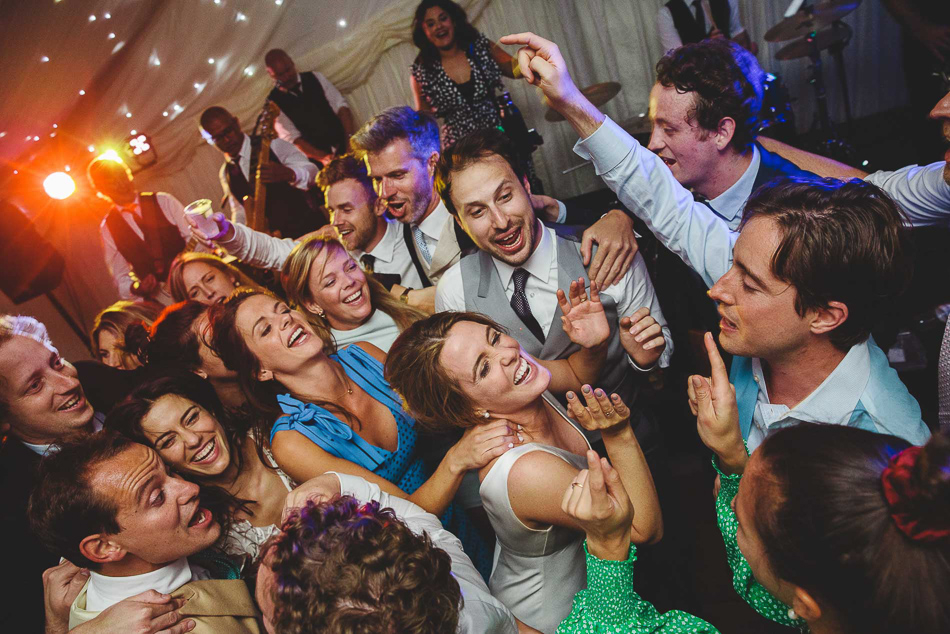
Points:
(902, 493)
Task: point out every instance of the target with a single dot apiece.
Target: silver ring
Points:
(583, 299)
(608, 413)
(576, 484)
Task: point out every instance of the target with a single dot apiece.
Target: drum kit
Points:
(811, 29)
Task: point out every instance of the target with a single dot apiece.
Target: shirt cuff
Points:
(609, 595)
(636, 367)
(561, 213)
(301, 178)
(606, 147)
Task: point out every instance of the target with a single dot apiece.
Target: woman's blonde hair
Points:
(295, 279)
(176, 273)
(117, 318)
(435, 399)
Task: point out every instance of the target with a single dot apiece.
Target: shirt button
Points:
(531, 294)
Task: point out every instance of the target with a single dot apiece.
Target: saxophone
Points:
(261, 138)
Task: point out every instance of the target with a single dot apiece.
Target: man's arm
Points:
(118, 266)
(254, 248)
(814, 163)
(922, 192)
(669, 37)
(304, 172)
(339, 105)
(635, 291)
(449, 293)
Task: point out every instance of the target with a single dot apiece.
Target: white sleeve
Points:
(238, 215)
(635, 291)
(257, 249)
(285, 128)
(481, 613)
(669, 37)
(922, 192)
(735, 23)
(305, 172)
(449, 293)
(334, 97)
(118, 266)
(648, 188)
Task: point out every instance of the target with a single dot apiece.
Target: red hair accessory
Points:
(901, 493)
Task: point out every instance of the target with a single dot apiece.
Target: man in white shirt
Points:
(109, 504)
(681, 22)
(141, 234)
(339, 534)
(288, 174)
(314, 115)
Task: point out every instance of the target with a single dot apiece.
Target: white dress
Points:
(243, 538)
(537, 572)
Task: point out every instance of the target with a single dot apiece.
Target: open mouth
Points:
(354, 298)
(75, 402)
(511, 241)
(201, 516)
(441, 33)
(669, 161)
(396, 207)
(297, 337)
(524, 372)
(725, 324)
(344, 232)
(208, 453)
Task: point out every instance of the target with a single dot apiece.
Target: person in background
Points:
(107, 336)
(458, 70)
(141, 233)
(681, 22)
(314, 116)
(204, 278)
(324, 282)
(287, 174)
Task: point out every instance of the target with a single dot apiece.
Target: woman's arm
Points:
(421, 103)
(507, 63)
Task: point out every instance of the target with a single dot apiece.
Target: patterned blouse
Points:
(609, 605)
(744, 583)
(461, 114)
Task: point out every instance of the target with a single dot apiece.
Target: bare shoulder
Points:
(372, 350)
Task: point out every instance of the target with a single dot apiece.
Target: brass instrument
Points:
(264, 133)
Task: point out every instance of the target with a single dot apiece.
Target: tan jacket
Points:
(216, 606)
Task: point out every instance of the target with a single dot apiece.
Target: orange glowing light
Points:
(59, 185)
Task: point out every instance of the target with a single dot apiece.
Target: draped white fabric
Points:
(368, 60)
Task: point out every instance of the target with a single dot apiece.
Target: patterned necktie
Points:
(368, 261)
(421, 243)
(237, 182)
(519, 303)
(943, 381)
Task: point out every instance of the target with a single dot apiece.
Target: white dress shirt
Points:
(103, 592)
(392, 256)
(670, 37)
(481, 613)
(730, 204)
(286, 129)
(633, 291)
(380, 330)
(119, 267)
(305, 172)
(438, 231)
(922, 192)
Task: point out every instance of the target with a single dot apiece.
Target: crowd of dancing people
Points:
(433, 414)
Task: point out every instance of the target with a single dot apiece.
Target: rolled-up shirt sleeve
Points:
(645, 185)
(257, 249)
(305, 172)
(921, 191)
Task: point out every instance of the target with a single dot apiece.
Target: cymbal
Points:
(803, 48)
(599, 94)
(804, 22)
(637, 125)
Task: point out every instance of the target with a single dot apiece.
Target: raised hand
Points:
(616, 246)
(601, 414)
(642, 337)
(585, 322)
(61, 586)
(713, 400)
(599, 503)
(481, 444)
(542, 65)
(225, 231)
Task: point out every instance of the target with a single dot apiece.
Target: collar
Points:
(245, 149)
(103, 592)
(386, 247)
(298, 85)
(43, 449)
(834, 400)
(433, 224)
(730, 203)
(133, 207)
(538, 263)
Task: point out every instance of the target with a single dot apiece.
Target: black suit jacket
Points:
(24, 558)
(773, 166)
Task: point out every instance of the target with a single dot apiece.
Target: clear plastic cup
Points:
(198, 215)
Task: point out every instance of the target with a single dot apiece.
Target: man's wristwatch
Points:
(404, 298)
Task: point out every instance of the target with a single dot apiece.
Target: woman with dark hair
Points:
(323, 281)
(452, 369)
(180, 417)
(830, 528)
(107, 337)
(204, 278)
(457, 71)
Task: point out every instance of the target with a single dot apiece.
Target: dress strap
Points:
(327, 431)
(361, 367)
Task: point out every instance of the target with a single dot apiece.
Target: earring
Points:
(486, 415)
(791, 614)
(320, 312)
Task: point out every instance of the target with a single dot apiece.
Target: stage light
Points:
(82, 92)
(91, 148)
(110, 155)
(44, 59)
(111, 36)
(59, 185)
(341, 23)
(128, 115)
